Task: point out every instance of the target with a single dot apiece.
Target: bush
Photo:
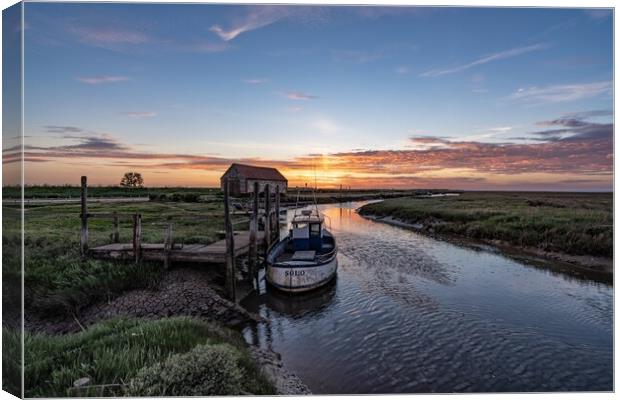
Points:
(114, 351)
(207, 370)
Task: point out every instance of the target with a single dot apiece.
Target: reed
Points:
(570, 223)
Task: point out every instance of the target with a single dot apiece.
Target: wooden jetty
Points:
(226, 251)
(209, 253)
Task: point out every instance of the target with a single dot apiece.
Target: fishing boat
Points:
(306, 258)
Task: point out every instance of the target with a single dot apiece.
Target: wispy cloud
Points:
(589, 114)
(296, 95)
(598, 13)
(257, 17)
(140, 114)
(62, 129)
(571, 151)
(500, 129)
(501, 55)
(574, 128)
(256, 81)
(202, 46)
(98, 80)
(105, 36)
(357, 56)
(326, 126)
(561, 93)
(125, 40)
(402, 70)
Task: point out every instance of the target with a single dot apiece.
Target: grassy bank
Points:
(59, 284)
(122, 353)
(58, 281)
(579, 224)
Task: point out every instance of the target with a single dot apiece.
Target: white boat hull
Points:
(301, 277)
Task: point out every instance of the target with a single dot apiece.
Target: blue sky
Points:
(179, 91)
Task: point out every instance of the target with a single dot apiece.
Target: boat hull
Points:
(301, 277)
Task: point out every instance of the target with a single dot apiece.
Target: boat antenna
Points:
(296, 203)
(316, 207)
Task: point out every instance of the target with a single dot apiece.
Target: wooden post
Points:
(167, 243)
(84, 216)
(253, 228)
(230, 245)
(276, 230)
(267, 218)
(115, 232)
(137, 236)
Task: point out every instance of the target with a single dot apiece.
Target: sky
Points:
(381, 97)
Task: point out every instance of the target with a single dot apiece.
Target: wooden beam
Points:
(167, 243)
(109, 215)
(230, 244)
(84, 216)
(115, 232)
(253, 229)
(137, 237)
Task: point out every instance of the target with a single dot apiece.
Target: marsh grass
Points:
(58, 280)
(113, 352)
(571, 223)
(71, 191)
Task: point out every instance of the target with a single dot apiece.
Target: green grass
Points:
(112, 352)
(57, 280)
(571, 223)
(67, 191)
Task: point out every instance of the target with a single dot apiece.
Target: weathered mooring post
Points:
(230, 245)
(276, 223)
(137, 237)
(253, 230)
(84, 216)
(167, 243)
(267, 218)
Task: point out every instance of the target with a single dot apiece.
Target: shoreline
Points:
(597, 268)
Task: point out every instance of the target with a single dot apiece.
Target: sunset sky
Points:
(400, 97)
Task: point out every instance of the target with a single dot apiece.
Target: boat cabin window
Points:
(315, 229)
(300, 231)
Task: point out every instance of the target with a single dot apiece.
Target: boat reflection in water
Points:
(302, 304)
(277, 307)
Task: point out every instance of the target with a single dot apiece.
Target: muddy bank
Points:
(284, 381)
(597, 268)
(181, 292)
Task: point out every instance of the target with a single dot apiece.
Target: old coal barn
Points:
(242, 177)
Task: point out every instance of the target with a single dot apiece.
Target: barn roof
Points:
(254, 172)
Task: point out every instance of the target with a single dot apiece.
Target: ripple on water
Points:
(411, 314)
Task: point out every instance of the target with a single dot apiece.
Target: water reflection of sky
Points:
(412, 314)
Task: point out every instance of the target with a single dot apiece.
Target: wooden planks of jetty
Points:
(201, 253)
(236, 243)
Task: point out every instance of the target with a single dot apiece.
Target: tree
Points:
(132, 180)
